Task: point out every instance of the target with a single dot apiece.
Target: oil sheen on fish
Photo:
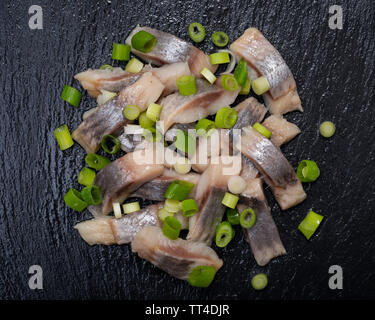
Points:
(186, 109)
(263, 236)
(109, 230)
(170, 49)
(282, 130)
(265, 60)
(109, 119)
(120, 178)
(209, 194)
(176, 257)
(277, 171)
(156, 188)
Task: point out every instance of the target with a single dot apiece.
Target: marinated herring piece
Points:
(176, 257)
(282, 130)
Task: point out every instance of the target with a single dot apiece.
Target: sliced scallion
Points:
(106, 67)
(230, 200)
(86, 176)
(182, 166)
(63, 137)
(171, 228)
(131, 207)
(226, 118)
(236, 184)
(163, 213)
(260, 85)
(153, 111)
(96, 161)
(219, 58)
(240, 73)
(91, 195)
(117, 210)
(245, 89)
(144, 121)
(229, 82)
(309, 225)
(197, 32)
(71, 95)
(172, 205)
(233, 216)
(187, 85)
(189, 207)
(308, 171)
(131, 112)
(134, 66)
(179, 190)
(262, 130)
(204, 124)
(74, 200)
(220, 39)
(111, 144)
(327, 129)
(143, 41)
(259, 281)
(121, 52)
(202, 276)
(224, 234)
(248, 218)
(209, 76)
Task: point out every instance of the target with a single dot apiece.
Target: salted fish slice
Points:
(170, 49)
(265, 60)
(120, 178)
(109, 118)
(263, 236)
(176, 257)
(282, 130)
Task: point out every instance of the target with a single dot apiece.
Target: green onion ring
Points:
(63, 137)
(327, 129)
(220, 39)
(187, 85)
(71, 95)
(233, 216)
(189, 207)
(245, 222)
(171, 227)
(224, 234)
(309, 225)
(91, 195)
(96, 161)
(110, 139)
(73, 200)
(262, 130)
(121, 52)
(229, 82)
(202, 276)
(86, 176)
(144, 121)
(226, 118)
(308, 171)
(143, 41)
(197, 32)
(259, 281)
(179, 190)
(240, 73)
(131, 112)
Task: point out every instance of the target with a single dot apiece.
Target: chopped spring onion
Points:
(153, 111)
(189, 207)
(232, 62)
(219, 57)
(144, 121)
(202, 276)
(63, 137)
(131, 112)
(309, 225)
(182, 166)
(308, 171)
(259, 281)
(179, 190)
(171, 228)
(240, 73)
(262, 130)
(229, 82)
(260, 85)
(236, 184)
(117, 210)
(187, 85)
(197, 32)
(233, 216)
(185, 142)
(91, 195)
(71, 95)
(105, 67)
(86, 176)
(327, 129)
(204, 124)
(96, 161)
(152, 135)
(105, 96)
(172, 205)
(224, 234)
(111, 144)
(131, 207)
(134, 66)
(220, 38)
(226, 118)
(209, 76)
(121, 52)
(230, 200)
(246, 221)
(143, 41)
(163, 213)
(245, 89)
(73, 200)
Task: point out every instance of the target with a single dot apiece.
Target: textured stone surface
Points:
(334, 73)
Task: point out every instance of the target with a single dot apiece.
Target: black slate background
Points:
(334, 73)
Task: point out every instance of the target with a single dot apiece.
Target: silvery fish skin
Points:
(263, 236)
(109, 119)
(109, 230)
(282, 130)
(265, 60)
(170, 49)
(176, 257)
(249, 111)
(156, 188)
(186, 109)
(277, 171)
(121, 177)
(210, 192)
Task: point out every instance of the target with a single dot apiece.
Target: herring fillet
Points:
(108, 119)
(109, 230)
(170, 49)
(186, 109)
(277, 171)
(120, 178)
(263, 236)
(176, 257)
(282, 130)
(249, 111)
(265, 60)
